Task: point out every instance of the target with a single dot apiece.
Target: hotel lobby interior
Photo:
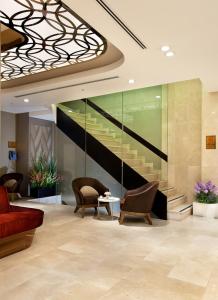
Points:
(108, 177)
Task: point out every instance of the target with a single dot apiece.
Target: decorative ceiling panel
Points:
(55, 37)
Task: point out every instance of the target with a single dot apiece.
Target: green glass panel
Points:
(112, 104)
(142, 113)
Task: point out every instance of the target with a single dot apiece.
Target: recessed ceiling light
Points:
(170, 54)
(70, 111)
(26, 100)
(165, 48)
(131, 81)
(158, 96)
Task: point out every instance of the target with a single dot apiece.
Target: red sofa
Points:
(17, 225)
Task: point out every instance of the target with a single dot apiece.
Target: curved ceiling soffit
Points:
(55, 38)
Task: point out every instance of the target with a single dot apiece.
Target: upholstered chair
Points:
(12, 182)
(87, 190)
(139, 202)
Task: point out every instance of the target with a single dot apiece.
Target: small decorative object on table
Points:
(110, 200)
(43, 177)
(107, 194)
(206, 204)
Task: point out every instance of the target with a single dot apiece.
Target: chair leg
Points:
(122, 216)
(83, 212)
(76, 209)
(108, 209)
(148, 218)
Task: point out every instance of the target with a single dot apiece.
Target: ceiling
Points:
(189, 27)
(54, 37)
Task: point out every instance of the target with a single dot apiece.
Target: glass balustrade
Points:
(132, 125)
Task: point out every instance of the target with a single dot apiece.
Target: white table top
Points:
(109, 199)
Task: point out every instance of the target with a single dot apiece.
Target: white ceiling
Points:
(189, 27)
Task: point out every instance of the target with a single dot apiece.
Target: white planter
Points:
(209, 211)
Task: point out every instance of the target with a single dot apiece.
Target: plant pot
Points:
(209, 211)
(43, 192)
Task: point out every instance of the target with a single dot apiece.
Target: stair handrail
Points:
(127, 130)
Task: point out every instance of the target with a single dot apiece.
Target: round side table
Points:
(109, 200)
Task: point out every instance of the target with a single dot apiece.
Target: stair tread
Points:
(174, 197)
(181, 208)
(166, 188)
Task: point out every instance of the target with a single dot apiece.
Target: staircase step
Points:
(180, 212)
(125, 155)
(134, 162)
(82, 117)
(176, 202)
(117, 146)
(151, 177)
(173, 197)
(94, 126)
(99, 131)
(102, 136)
(142, 169)
(165, 188)
(169, 192)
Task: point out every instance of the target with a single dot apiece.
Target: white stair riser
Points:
(179, 216)
(170, 192)
(172, 204)
(163, 184)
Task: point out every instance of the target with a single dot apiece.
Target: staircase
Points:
(177, 206)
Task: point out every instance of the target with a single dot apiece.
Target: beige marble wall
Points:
(209, 169)
(184, 135)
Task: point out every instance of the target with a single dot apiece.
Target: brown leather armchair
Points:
(139, 202)
(87, 190)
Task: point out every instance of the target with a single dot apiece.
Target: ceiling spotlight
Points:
(165, 48)
(131, 81)
(26, 100)
(157, 97)
(170, 54)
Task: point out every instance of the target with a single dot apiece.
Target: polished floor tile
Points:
(78, 259)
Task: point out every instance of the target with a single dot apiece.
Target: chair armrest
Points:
(14, 208)
(102, 189)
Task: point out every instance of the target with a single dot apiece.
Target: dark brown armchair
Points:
(87, 190)
(12, 182)
(139, 202)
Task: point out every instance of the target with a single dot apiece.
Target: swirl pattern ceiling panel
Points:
(55, 37)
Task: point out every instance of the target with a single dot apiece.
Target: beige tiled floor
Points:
(78, 259)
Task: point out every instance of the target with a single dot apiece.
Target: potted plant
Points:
(206, 200)
(43, 177)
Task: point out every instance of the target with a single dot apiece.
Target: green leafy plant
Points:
(44, 173)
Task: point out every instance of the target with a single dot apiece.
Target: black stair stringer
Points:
(108, 160)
